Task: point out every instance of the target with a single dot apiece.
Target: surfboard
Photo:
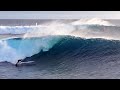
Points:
(27, 63)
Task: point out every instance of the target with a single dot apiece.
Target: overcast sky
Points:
(59, 14)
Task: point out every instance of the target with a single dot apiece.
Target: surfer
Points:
(19, 62)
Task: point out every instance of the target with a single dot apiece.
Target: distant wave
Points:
(93, 21)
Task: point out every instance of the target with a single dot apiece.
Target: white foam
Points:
(7, 53)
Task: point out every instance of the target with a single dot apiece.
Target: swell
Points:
(71, 48)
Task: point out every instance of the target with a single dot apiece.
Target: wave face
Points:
(56, 47)
(81, 38)
(71, 48)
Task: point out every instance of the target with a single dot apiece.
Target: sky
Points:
(59, 14)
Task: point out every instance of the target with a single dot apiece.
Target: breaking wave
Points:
(81, 37)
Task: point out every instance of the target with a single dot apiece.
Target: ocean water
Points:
(61, 49)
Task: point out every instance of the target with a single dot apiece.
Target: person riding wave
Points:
(19, 62)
